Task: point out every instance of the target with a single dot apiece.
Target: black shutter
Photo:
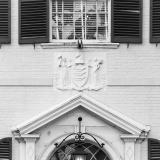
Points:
(5, 21)
(33, 21)
(6, 148)
(155, 21)
(153, 149)
(126, 21)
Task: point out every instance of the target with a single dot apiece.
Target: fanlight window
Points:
(80, 19)
(67, 151)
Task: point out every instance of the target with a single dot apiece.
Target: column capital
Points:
(129, 138)
(30, 137)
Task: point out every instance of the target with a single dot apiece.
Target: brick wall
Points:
(18, 103)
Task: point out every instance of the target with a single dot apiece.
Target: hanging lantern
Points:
(79, 154)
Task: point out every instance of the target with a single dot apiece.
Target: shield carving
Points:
(79, 74)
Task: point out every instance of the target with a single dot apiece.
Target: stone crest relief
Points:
(78, 74)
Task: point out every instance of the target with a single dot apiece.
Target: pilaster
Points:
(138, 148)
(129, 151)
(30, 146)
(22, 148)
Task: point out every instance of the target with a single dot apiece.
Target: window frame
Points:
(108, 40)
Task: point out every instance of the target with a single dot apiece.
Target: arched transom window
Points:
(68, 151)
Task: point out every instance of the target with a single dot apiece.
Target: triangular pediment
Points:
(86, 104)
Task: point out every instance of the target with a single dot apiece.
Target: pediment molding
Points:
(67, 119)
(106, 113)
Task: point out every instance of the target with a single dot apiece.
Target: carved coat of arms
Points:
(78, 75)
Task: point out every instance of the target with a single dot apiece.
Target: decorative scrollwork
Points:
(79, 136)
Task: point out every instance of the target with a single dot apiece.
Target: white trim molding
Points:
(132, 146)
(26, 82)
(110, 82)
(135, 130)
(73, 45)
(133, 81)
(27, 147)
(95, 107)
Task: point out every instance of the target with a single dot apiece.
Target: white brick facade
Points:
(22, 67)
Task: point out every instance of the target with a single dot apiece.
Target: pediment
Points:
(99, 113)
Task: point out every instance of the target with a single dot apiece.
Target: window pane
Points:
(56, 32)
(78, 32)
(57, 26)
(59, 5)
(91, 6)
(68, 31)
(101, 20)
(77, 6)
(68, 19)
(91, 20)
(68, 6)
(53, 6)
(101, 33)
(100, 155)
(78, 20)
(101, 6)
(91, 33)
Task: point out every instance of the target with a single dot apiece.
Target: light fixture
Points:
(79, 154)
(79, 137)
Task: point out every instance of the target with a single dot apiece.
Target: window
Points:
(6, 149)
(91, 20)
(154, 21)
(66, 152)
(5, 21)
(80, 19)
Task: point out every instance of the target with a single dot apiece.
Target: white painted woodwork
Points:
(138, 149)
(129, 149)
(22, 149)
(105, 124)
(30, 148)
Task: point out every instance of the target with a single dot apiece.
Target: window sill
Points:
(58, 45)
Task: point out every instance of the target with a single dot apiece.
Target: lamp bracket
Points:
(79, 44)
(79, 136)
